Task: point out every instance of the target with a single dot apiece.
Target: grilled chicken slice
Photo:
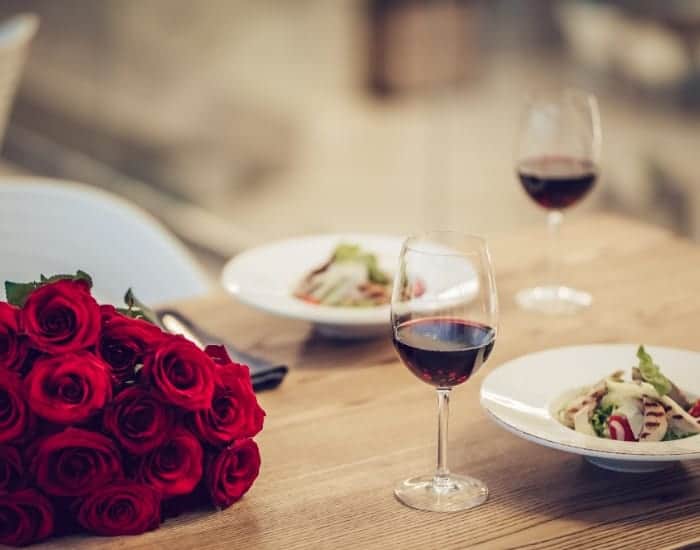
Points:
(655, 423)
(678, 396)
(588, 402)
(676, 393)
(678, 419)
(617, 376)
(582, 420)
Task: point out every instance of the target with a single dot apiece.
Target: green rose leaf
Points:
(79, 276)
(17, 293)
(136, 309)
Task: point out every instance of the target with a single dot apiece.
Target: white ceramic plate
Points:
(524, 394)
(264, 277)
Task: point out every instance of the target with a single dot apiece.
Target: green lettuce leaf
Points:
(651, 372)
(672, 436)
(600, 418)
(353, 253)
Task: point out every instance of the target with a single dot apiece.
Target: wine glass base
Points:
(451, 494)
(554, 300)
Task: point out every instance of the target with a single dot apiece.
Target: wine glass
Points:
(444, 315)
(557, 158)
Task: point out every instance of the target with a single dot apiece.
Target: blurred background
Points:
(238, 122)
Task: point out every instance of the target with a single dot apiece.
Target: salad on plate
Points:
(351, 277)
(649, 407)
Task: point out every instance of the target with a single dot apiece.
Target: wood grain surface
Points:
(350, 421)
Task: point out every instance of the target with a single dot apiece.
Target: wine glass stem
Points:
(442, 474)
(554, 219)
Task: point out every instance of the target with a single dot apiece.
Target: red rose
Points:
(68, 388)
(75, 462)
(234, 412)
(221, 358)
(138, 420)
(122, 508)
(13, 347)
(124, 341)
(180, 373)
(16, 420)
(61, 317)
(11, 470)
(232, 472)
(26, 517)
(174, 468)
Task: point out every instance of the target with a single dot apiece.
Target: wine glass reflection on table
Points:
(557, 157)
(443, 332)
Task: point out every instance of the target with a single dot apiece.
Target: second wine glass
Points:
(557, 162)
(444, 313)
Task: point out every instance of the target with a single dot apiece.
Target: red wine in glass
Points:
(443, 351)
(557, 182)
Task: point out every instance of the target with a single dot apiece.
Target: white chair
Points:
(50, 226)
(16, 34)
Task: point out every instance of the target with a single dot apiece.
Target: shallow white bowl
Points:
(265, 277)
(524, 394)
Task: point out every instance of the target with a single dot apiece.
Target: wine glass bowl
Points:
(443, 333)
(557, 182)
(557, 163)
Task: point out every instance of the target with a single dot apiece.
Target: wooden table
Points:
(350, 421)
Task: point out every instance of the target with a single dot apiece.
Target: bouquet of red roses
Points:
(107, 423)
